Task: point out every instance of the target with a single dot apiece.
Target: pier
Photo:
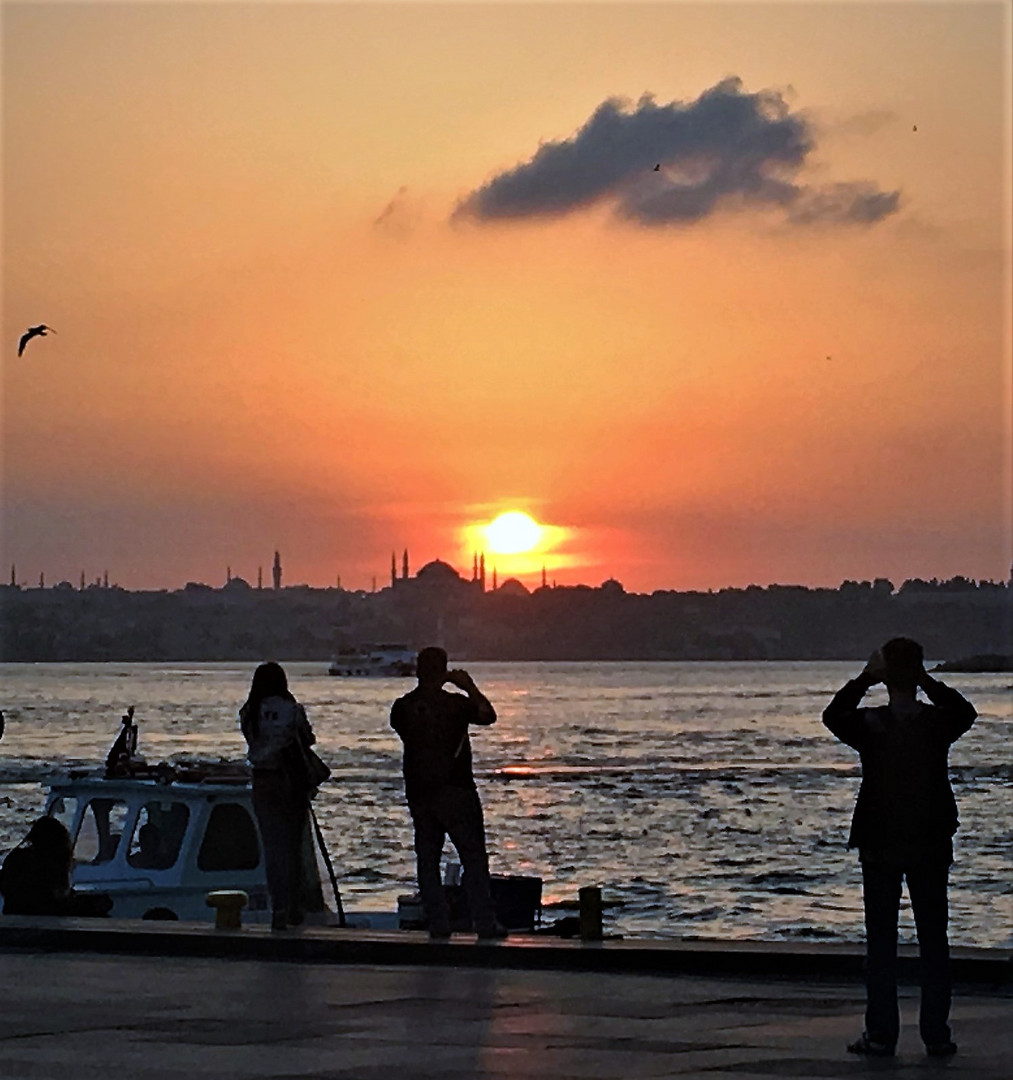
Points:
(145, 1001)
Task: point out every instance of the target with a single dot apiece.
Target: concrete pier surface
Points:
(265, 1006)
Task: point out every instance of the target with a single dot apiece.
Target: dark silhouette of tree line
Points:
(955, 617)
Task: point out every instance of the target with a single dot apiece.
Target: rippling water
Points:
(706, 799)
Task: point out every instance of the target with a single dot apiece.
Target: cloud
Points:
(678, 164)
(858, 203)
(870, 122)
(398, 217)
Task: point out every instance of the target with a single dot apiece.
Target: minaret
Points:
(228, 574)
(42, 581)
(544, 582)
(14, 579)
(82, 581)
(494, 586)
(393, 569)
(474, 567)
(276, 571)
(404, 565)
(105, 579)
(260, 577)
(481, 570)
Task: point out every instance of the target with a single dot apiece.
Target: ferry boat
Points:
(373, 661)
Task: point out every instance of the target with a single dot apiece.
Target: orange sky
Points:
(271, 334)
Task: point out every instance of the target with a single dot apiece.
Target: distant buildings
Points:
(958, 617)
(436, 577)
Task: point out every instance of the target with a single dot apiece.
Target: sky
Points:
(717, 294)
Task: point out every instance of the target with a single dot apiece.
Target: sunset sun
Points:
(513, 532)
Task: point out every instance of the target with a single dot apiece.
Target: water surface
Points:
(706, 799)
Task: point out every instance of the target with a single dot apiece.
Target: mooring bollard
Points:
(228, 904)
(590, 913)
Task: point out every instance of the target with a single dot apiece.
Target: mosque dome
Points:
(513, 587)
(438, 572)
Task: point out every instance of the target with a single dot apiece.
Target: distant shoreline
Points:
(982, 663)
(952, 619)
(956, 667)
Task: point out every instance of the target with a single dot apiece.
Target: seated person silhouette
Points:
(35, 877)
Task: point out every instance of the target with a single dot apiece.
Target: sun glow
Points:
(512, 533)
(512, 544)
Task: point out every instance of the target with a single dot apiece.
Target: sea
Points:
(706, 800)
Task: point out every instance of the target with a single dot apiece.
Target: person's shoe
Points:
(941, 1049)
(493, 933)
(869, 1047)
(279, 920)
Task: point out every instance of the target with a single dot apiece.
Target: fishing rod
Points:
(329, 865)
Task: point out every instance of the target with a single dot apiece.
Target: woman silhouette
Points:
(276, 730)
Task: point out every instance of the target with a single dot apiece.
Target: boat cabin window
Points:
(230, 840)
(63, 808)
(158, 835)
(100, 831)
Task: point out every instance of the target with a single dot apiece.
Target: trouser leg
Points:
(281, 817)
(296, 829)
(927, 887)
(881, 887)
(462, 814)
(429, 837)
(274, 823)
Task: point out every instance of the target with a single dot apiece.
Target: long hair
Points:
(269, 680)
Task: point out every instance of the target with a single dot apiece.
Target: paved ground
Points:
(87, 1016)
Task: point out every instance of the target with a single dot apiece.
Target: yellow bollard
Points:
(590, 913)
(228, 905)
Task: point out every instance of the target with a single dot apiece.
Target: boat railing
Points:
(170, 772)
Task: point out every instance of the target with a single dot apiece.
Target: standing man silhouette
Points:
(440, 787)
(903, 826)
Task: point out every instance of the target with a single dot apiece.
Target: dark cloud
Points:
(859, 203)
(727, 149)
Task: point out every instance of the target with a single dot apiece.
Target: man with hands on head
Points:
(440, 787)
(903, 826)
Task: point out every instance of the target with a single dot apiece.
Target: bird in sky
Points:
(33, 331)
(657, 167)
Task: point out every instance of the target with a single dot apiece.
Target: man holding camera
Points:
(903, 826)
(440, 787)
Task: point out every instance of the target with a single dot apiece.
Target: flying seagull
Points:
(33, 331)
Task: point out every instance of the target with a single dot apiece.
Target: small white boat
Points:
(374, 661)
(157, 841)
